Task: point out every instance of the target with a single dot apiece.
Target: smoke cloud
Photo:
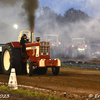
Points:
(51, 23)
(30, 6)
(5, 3)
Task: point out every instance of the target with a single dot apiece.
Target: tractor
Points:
(56, 46)
(36, 61)
(78, 48)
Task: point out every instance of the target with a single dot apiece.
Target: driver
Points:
(22, 42)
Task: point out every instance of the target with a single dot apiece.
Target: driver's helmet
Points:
(24, 36)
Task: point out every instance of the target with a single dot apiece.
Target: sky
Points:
(91, 7)
(11, 12)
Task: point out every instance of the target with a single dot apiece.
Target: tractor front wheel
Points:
(29, 67)
(55, 70)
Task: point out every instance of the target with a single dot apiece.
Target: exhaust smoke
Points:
(30, 6)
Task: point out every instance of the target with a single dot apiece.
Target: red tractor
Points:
(37, 60)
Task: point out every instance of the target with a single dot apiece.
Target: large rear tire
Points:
(11, 58)
(55, 70)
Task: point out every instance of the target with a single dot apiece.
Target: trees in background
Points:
(73, 23)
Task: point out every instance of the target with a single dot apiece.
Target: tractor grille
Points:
(44, 50)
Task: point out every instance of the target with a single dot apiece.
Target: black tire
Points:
(55, 70)
(15, 59)
(29, 68)
(42, 71)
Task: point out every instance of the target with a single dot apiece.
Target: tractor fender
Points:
(58, 62)
(15, 44)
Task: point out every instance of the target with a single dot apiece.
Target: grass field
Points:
(43, 96)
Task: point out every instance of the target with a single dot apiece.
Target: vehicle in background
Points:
(78, 49)
(95, 49)
(56, 48)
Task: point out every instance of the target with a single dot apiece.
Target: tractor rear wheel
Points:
(55, 70)
(11, 58)
(29, 67)
(42, 71)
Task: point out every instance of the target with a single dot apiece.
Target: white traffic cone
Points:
(12, 84)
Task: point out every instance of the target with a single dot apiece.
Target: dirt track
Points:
(74, 81)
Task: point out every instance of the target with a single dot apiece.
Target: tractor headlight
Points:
(41, 53)
(47, 53)
(81, 49)
(53, 45)
(59, 43)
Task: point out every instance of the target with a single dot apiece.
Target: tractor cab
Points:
(28, 34)
(79, 44)
(37, 49)
(53, 39)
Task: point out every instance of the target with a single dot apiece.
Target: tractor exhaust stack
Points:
(32, 35)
